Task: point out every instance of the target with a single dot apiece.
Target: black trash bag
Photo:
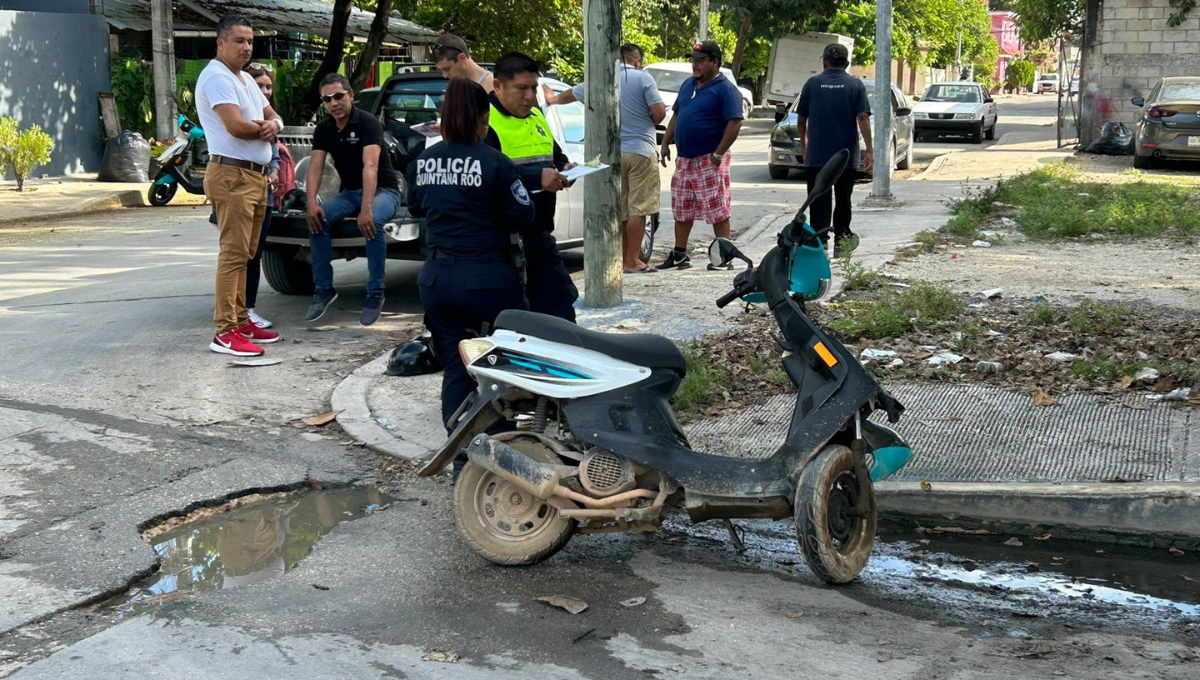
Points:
(415, 357)
(1115, 140)
(126, 159)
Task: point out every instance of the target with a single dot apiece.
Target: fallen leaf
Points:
(1127, 382)
(1040, 398)
(1189, 579)
(1014, 542)
(322, 329)
(884, 657)
(320, 587)
(1043, 537)
(1176, 551)
(571, 604)
(322, 419)
(632, 602)
(250, 363)
(795, 615)
(442, 655)
(1164, 384)
(926, 486)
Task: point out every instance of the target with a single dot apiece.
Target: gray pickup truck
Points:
(406, 100)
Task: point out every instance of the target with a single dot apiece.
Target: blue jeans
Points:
(347, 204)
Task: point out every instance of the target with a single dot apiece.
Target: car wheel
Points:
(746, 109)
(286, 272)
(906, 162)
(1143, 162)
(977, 134)
(991, 132)
(778, 171)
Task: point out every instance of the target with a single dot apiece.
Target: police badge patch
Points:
(519, 193)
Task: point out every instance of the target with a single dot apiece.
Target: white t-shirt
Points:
(218, 85)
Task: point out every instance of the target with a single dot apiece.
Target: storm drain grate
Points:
(980, 433)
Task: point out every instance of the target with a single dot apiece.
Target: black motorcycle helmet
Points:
(295, 199)
(413, 358)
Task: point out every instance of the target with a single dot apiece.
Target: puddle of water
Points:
(245, 545)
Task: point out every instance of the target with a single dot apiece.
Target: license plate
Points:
(1193, 141)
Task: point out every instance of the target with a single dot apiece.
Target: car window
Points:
(1184, 90)
(670, 81)
(949, 92)
(570, 117)
(414, 102)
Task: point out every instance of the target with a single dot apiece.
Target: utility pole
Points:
(162, 38)
(602, 258)
(881, 186)
(958, 50)
(704, 19)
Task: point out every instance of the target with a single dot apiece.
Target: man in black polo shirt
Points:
(832, 111)
(370, 191)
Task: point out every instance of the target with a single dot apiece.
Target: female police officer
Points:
(474, 204)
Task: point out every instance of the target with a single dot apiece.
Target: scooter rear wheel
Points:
(835, 544)
(504, 523)
(161, 194)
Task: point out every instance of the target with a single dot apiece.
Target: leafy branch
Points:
(1182, 8)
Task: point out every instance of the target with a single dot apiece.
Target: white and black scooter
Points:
(594, 446)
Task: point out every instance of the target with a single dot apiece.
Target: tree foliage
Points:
(1047, 19)
(1020, 74)
(920, 25)
(370, 53)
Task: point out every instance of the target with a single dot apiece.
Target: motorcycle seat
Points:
(651, 351)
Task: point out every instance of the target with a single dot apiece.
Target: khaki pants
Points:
(239, 197)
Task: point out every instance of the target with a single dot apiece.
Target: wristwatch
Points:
(719, 156)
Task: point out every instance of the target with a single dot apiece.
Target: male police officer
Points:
(521, 132)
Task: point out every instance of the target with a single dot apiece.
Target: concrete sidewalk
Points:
(1012, 154)
(983, 454)
(69, 195)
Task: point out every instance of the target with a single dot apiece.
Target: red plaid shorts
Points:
(699, 191)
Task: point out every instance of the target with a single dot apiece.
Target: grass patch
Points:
(1054, 202)
(1042, 314)
(1097, 370)
(705, 384)
(924, 305)
(858, 277)
(1095, 316)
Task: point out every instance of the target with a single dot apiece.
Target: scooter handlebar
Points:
(727, 298)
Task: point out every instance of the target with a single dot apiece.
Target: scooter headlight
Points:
(474, 348)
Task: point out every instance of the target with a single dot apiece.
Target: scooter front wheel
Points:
(836, 542)
(504, 523)
(161, 194)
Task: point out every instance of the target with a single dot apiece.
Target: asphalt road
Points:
(114, 414)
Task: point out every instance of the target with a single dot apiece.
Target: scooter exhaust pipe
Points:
(539, 479)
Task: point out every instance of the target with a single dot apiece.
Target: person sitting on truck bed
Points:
(454, 60)
(370, 191)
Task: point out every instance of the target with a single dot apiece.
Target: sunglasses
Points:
(333, 97)
(263, 67)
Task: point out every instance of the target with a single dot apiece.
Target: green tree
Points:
(1020, 74)
(764, 20)
(21, 152)
(1047, 19)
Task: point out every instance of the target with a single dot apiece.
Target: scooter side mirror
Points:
(722, 251)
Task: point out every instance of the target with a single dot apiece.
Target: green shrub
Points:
(21, 152)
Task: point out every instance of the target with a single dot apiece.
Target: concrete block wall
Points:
(1135, 47)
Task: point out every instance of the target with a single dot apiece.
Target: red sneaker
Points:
(232, 342)
(262, 336)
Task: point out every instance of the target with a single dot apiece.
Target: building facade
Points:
(1006, 33)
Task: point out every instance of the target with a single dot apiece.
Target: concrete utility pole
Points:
(958, 50)
(162, 38)
(881, 187)
(602, 263)
(704, 19)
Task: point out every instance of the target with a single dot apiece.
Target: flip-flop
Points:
(644, 270)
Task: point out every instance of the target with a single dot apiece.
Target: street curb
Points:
(350, 397)
(934, 165)
(1131, 510)
(127, 198)
(760, 227)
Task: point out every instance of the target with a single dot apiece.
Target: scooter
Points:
(174, 171)
(571, 430)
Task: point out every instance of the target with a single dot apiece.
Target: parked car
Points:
(669, 77)
(1170, 123)
(960, 108)
(783, 153)
(406, 100)
(1047, 83)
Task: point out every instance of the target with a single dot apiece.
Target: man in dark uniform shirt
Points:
(370, 191)
(520, 131)
(832, 111)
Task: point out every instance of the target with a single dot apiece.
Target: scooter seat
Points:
(651, 351)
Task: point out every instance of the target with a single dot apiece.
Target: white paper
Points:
(583, 171)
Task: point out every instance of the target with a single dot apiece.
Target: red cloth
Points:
(699, 191)
(287, 175)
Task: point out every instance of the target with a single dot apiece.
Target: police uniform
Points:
(473, 201)
(529, 143)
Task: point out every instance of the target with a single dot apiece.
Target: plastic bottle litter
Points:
(870, 354)
(981, 244)
(1062, 356)
(989, 367)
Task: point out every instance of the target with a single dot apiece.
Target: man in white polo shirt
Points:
(240, 127)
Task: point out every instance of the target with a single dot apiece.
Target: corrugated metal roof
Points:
(290, 16)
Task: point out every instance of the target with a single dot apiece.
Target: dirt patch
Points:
(1118, 169)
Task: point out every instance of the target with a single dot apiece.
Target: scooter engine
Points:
(604, 473)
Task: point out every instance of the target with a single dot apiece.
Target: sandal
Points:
(644, 270)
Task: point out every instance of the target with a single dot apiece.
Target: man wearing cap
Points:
(833, 109)
(708, 117)
(454, 60)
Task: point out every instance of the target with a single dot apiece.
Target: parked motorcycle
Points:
(174, 170)
(592, 444)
